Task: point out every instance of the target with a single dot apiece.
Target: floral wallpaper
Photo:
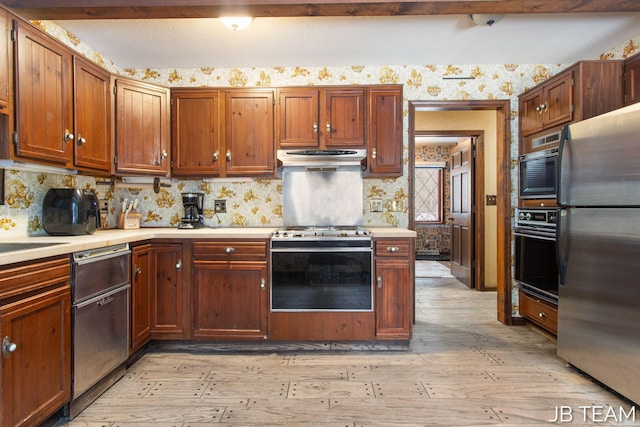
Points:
(258, 202)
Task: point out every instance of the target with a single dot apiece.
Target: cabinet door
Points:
(140, 296)
(196, 132)
(5, 61)
(531, 112)
(385, 134)
(343, 120)
(632, 80)
(142, 128)
(393, 299)
(249, 133)
(558, 100)
(36, 373)
(43, 112)
(230, 299)
(92, 115)
(167, 294)
(297, 118)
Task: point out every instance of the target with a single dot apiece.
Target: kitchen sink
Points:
(10, 247)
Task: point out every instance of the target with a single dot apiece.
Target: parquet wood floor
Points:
(463, 368)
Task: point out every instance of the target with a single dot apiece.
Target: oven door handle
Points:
(324, 250)
(541, 235)
(561, 249)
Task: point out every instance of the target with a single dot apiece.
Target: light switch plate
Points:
(375, 205)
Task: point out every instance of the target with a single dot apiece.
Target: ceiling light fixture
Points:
(236, 22)
(485, 19)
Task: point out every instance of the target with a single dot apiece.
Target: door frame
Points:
(503, 166)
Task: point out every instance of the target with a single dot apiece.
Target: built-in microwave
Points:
(538, 171)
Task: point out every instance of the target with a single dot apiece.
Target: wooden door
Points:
(168, 291)
(140, 296)
(142, 128)
(5, 61)
(342, 123)
(249, 133)
(230, 299)
(462, 208)
(385, 132)
(43, 113)
(196, 133)
(297, 118)
(36, 375)
(92, 116)
(531, 112)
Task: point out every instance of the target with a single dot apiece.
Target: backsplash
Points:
(258, 202)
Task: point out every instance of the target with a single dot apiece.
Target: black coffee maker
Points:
(192, 203)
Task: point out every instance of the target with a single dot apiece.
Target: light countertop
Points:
(70, 244)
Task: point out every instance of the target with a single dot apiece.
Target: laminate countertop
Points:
(60, 245)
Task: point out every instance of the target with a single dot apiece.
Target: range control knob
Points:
(528, 216)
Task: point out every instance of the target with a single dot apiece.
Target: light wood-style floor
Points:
(463, 368)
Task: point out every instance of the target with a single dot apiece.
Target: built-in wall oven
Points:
(536, 265)
(321, 269)
(538, 171)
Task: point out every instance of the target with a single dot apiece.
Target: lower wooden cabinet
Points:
(541, 312)
(141, 274)
(394, 288)
(230, 290)
(168, 292)
(35, 322)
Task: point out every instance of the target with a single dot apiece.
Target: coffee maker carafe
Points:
(192, 203)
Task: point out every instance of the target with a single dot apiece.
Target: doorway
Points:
(500, 255)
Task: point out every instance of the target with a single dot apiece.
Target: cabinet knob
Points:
(315, 127)
(138, 271)
(263, 283)
(216, 156)
(68, 136)
(179, 265)
(379, 281)
(392, 249)
(230, 250)
(374, 153)
(542, 315)
(81, 140)
(8, 346)
(164, 154)
(329, 127)
(228, 155)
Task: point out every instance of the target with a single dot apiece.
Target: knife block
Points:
(129, 221)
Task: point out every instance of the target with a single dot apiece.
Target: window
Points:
(428, 193)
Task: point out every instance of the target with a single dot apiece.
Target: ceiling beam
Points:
(150, 9)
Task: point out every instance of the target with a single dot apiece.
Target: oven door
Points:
(538, 173)
(536, 264)
(321, 278)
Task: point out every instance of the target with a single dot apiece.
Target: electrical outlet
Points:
(396, 205)
(104, 205)
(220, 206)
(375, 205)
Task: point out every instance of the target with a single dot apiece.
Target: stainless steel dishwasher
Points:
(100, 314)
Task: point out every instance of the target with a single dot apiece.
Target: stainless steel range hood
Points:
(322, 158)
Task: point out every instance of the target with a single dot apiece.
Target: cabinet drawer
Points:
(392, 248)
(540, 312)
(30, 276)
(230, 250)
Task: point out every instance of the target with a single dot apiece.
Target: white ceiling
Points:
(343, 41)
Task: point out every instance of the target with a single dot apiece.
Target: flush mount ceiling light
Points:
(236, 22)
(485, 19)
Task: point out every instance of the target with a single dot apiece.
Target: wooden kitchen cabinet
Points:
(5, 62)
(35, 324)
(385, 132)
(141, 276)
(196, 132)
(632, 80)
(92, 116)
(249, 132)
(142, 128)
(230, 289)
(584, 90)
(43, 129)
(539, 311)
(394, 285)
(321, 118)
(169, 295)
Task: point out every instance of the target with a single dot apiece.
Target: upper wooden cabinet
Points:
(584, 90)
(43, 104)
(385, 132)
(196, 132)
(249, 132)
(142, 128)
(92, 116)
(320, 118)
(632, 80)
(5, 61)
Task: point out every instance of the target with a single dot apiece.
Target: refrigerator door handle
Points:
(561, 249)
(563, 139)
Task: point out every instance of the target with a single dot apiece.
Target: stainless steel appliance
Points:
(538, 174)
(100, 314)
(536, 268)
(599, 249)
(70, 211)
(321, 269)
(193, 204)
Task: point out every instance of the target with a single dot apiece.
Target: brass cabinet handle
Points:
(379, 281)
(263, 283)
(81, 140)
(216, 156)
(179, 265)
(230, 250)
(8, 347)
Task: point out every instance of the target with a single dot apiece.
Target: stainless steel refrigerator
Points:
(599, 249)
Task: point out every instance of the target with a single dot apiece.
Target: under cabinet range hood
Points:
(322, 187)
